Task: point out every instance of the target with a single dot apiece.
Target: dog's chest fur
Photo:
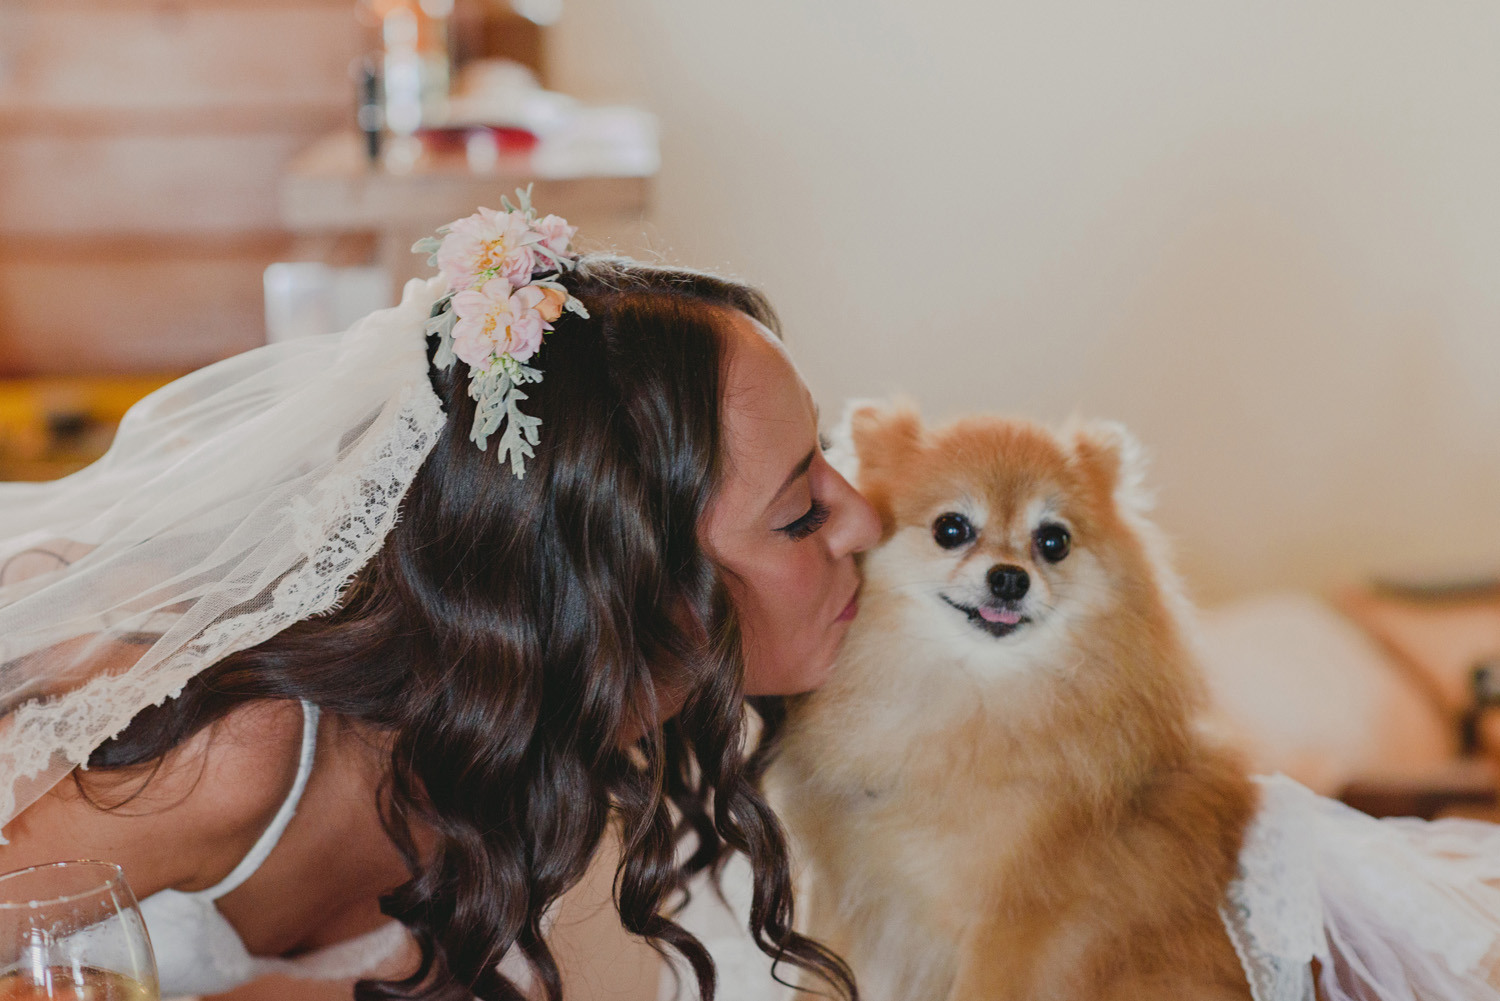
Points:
(919, 818)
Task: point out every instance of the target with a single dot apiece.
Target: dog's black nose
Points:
(1008, 583)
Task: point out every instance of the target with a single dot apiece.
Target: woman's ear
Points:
(1114, 460)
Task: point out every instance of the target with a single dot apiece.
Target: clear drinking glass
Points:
(71, 931)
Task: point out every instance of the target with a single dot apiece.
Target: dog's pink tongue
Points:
(1002, 615)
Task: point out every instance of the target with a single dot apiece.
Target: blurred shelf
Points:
(332, 187)
(1469, 785)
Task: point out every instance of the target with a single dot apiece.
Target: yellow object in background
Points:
(56, 425)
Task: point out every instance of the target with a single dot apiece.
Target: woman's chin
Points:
(803, 679)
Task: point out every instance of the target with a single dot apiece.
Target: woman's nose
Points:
(856, 525)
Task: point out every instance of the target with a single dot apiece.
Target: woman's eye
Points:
(952, 530)
(1053, 543)
(809, 523)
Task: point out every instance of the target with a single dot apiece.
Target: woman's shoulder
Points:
(183, 822)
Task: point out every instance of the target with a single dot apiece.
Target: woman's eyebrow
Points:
(798, 471)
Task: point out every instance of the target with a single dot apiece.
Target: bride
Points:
(353, 648)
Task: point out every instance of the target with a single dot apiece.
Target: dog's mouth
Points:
(997, 620)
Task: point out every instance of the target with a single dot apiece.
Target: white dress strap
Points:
(272, 833)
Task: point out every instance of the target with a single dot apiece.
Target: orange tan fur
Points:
(1022, 816)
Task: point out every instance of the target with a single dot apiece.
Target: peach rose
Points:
(552, 302)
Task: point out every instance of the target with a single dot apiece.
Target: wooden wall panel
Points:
(134, 306)
(72, 185)
(141, 142)
(181, 57)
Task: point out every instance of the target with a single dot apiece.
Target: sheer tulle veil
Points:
(233, 503)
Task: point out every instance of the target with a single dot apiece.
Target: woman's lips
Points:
(850, 609)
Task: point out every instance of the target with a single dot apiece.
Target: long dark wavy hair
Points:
(511, 634)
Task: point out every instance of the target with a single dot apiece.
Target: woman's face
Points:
(784, 524)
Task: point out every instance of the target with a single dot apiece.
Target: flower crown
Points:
(502, 271)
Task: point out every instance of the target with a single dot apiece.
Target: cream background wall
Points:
(1266, 236)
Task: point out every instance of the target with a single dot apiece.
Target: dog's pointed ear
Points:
(874, 435)
(1110, 454)
(872, 443)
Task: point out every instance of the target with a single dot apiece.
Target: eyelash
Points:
(815, 518)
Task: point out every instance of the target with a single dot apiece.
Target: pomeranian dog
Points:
(1003, 792)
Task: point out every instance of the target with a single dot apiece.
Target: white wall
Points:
(1265, 235)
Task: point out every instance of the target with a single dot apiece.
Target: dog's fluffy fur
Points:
(1001, 810)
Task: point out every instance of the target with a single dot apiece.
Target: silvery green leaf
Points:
(444, 357)
(441, 327)
(548, 282)
(441, 305)
(520, 435)
(528, 374)
(523, 196)
(574, 306)
(426, 245)
(550, 254)
(491, 391)
(434, 325)
(505, 203)
(510, 367)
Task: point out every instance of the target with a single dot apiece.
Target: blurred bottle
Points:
(370, 115)
(414, 68)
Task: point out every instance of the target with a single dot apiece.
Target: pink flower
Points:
(487, 241)
(518, 265)
(527, 323)
(555, 233)
(495, 320)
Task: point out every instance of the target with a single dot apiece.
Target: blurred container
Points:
(306, 298)
(415, 68)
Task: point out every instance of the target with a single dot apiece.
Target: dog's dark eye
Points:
(952, 530)
(1053, 543)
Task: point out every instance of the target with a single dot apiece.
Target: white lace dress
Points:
(1392, 910)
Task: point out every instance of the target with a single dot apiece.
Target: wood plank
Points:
(180, 56)
(129, 305)
(173, 184)
(185, 5)
(314, 118)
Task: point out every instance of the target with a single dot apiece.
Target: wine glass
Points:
(71, 931)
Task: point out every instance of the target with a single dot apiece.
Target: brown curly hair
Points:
(510, 631)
